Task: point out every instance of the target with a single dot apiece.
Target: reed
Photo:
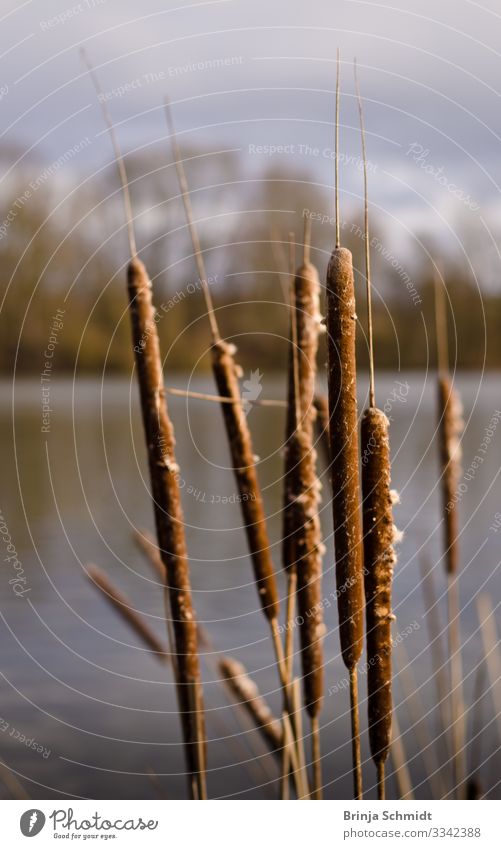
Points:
(343, 441)
(379, 535)
(302, 542)
(450, 425)
(169, 521)
(125, 609)
(246, 691)
(379, 562)
(226, 373)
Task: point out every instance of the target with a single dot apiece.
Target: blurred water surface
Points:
(96, 710)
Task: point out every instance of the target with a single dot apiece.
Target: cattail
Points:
(125, 609)
(226, 373)
(246, 691)
(302, 543)
(343, 440)
(450, 426)
(379, 562)
(380, 536)
(164, 475)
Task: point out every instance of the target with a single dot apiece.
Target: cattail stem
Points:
(381, 790)
(316, 758)
(456, 687)
(400, 761)
(355, 735)
(289, 633)
(297, 725)
(288, 743)
(450, 428)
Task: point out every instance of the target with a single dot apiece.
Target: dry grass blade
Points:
(343, 440)
(159, 434)
(124, 607)
(219, 399)
(246, 691)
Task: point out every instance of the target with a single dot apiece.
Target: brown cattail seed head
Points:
(343, 433)
(379, 562)
(242, 455)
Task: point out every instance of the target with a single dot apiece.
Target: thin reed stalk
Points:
(220, 399)
(125, 609)
(169, 520)
(343, 440)
(450, 426)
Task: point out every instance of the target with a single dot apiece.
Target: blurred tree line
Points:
(63, 248)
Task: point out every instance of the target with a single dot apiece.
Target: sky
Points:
(259, 77)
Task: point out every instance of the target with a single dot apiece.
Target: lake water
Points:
(74, 679)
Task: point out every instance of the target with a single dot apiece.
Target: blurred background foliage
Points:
(65, 248)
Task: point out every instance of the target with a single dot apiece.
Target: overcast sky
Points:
(248, 73)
